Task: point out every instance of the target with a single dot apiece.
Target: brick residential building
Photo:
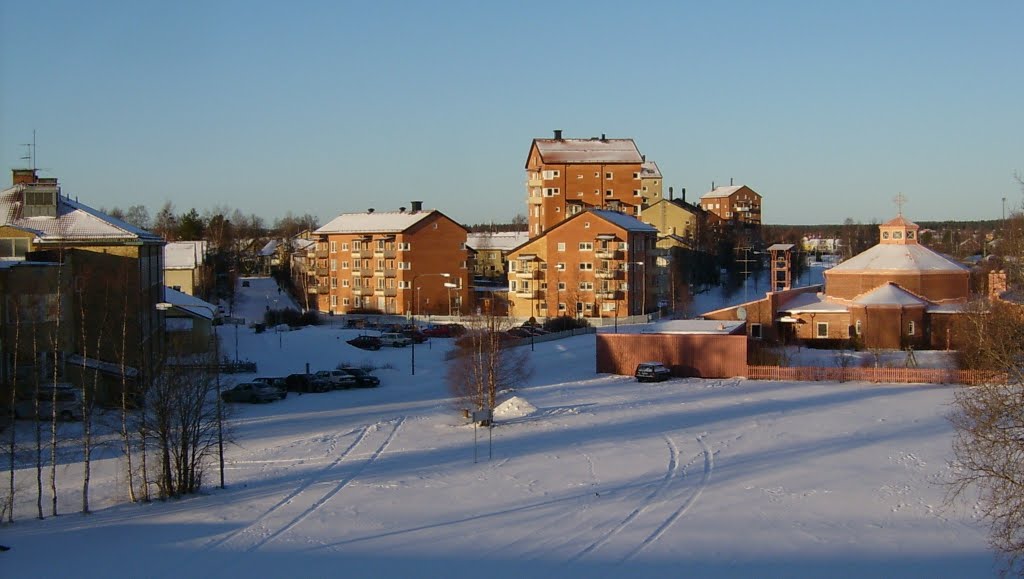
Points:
(395, 262)
(735, 203)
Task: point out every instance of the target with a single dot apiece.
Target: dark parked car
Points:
(363, 378)
(306, 383)
(520, 332)
(275, 382)
(366, 342)
(338, 379)
(416, 336)
(652, 372)
(250, 392)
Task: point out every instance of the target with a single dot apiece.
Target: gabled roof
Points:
(621, 220)
(889, 294)
(502, 240)
(901, 258)
(376, 222)
(569, 151)
(190, 304)
(719, 192)
(74, 221)
(269, 249)
(812, 303)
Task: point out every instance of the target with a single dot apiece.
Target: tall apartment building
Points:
(565, 177)
(735, 203)
(399, 262)
(597, 263)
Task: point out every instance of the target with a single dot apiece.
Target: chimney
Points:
(558, 137)
(682, 194)
(401, 209)
(23, 176)
(417, 206)
(669, 193)
(643, 158)
(370, 210)
(730, 181)
(603, 138)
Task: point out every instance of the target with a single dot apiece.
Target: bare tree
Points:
(988, 420)
(483, 366)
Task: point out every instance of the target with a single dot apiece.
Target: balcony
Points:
(319, 289)
(531, 274)
(390, 254)
(321, 253)
(529, 294)
(608, 254)
(321, 271)
(605, 273)
(609, 295)
(366, 272)
(359, 254)
(535, 182)
(362, 291)
(390, 273)
(387, 292)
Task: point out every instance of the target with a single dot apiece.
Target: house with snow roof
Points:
(105, 278)
(565, 177)
(597, 263)
(186, 268)
(896, 294)
(406, 262)
(736, 203)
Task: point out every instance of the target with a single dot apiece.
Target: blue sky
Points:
(828, 109)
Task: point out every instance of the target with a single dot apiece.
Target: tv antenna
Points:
(899, 200)
(30, 152)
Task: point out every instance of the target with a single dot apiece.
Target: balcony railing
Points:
(608, 254)
(529, 294)
(531, 274)
(390, 273)
(321, 253)
(321, 271)
(362, 291)
(609, 295)
(387, 292)
(605, 273)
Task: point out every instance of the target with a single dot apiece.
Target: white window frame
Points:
(560, 246)
(586, 246)
(818, 326)
(334, 247)
(911, 328)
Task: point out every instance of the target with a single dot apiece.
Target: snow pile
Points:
(514, 407)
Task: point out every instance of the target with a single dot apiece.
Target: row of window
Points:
(555, 191)
(381, 245)
(583, 286)
(549, 174)
(381, 264)
(821, 329)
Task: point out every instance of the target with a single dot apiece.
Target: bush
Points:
(290, 316)
(565, 323)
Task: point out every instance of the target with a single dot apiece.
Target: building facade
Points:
(399, 262)
(735, 203)
(597, 263)
(490, 252)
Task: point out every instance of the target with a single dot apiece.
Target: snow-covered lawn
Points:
(591, 476)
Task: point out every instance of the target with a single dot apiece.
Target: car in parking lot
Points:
(275, 382)
(306, 383)
(366, 342)
(652, 372)
(394, 339)
(415, 335)
(68, 403)
(338, 379)
(363, 378)
(250, 392)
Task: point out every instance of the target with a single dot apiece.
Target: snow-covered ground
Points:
(588, 476)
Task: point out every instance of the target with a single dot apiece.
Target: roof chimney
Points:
(417, 206)
(401, 209)
(558, 134)
(22, 176)
(370, 210)
(603, 138)
(682, 194)
(669, 193)
(730, 181)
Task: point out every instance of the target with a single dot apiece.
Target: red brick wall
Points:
(704, 356)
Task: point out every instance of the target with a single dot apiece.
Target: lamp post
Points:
(416, 304)
(164, 306)
(643, 286)
(450, 287)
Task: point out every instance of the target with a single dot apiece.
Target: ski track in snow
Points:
(709, 465)
(671, 471)
(266, 537)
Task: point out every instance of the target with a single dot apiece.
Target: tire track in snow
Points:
(337, 488)
(671, 471)
(709, 465)
(361, 434)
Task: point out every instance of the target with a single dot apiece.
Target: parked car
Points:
(250, 392)
(275, 382)
(652, 372)
(69, 403)
(415, 335)
(519, 332)
(437, 332)
(306, 383)
(337, 379)
(394, 339)
(363, 378)
(366, 342)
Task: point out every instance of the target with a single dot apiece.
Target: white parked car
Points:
(69, 403)
(394, 339)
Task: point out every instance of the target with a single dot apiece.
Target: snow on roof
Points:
(899, 221)
(812, 303)
(627, 222)
(946, 308)
(910, 257)
(302, 244)
(650, 170)
(503, 241)
(722, 327)
(376, 222)
(588, 151)
(190, 304)
(184, 254)
(719, 192)
(269, 249)
(74, 221)
(780, 247)
(889, 294)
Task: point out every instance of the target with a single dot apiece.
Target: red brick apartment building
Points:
(565, 177)
(737, 203)
(398, 262)
(596, 263)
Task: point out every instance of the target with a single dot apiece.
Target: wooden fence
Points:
(878, 375)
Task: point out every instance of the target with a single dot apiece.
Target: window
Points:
(550, 191)
(344, 282)
(910, 235)
(636, 175)
(334, 265)
(609, 306)
(344, 246)
(405, 285)
(558, 209)
(857, 328)
(334, 301)
(512, 285)
(885, 235)
(334, 247)
(586, 225)
(586, 286)
(550, 174)
(560, 266)
(586, 246)
(345, 301)
(609, 175)
(561, 286)
(404, 265)
(405, 246)
(561, 307)
(821, 330)
(344, 264)
(334, 282)
(608, 193)
(586, 266)
(636, 192)
(910, 328)
(14, 247)
(897, 235)
(561, 246)
(512, 265)
(755, 331)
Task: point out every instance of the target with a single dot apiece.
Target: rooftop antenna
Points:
(30, 152)
(899, 200)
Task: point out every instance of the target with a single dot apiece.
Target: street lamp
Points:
(163, 307)
(643, 286)
(450, 286)
(416, 299)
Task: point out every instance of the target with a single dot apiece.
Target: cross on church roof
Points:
(899, 200)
